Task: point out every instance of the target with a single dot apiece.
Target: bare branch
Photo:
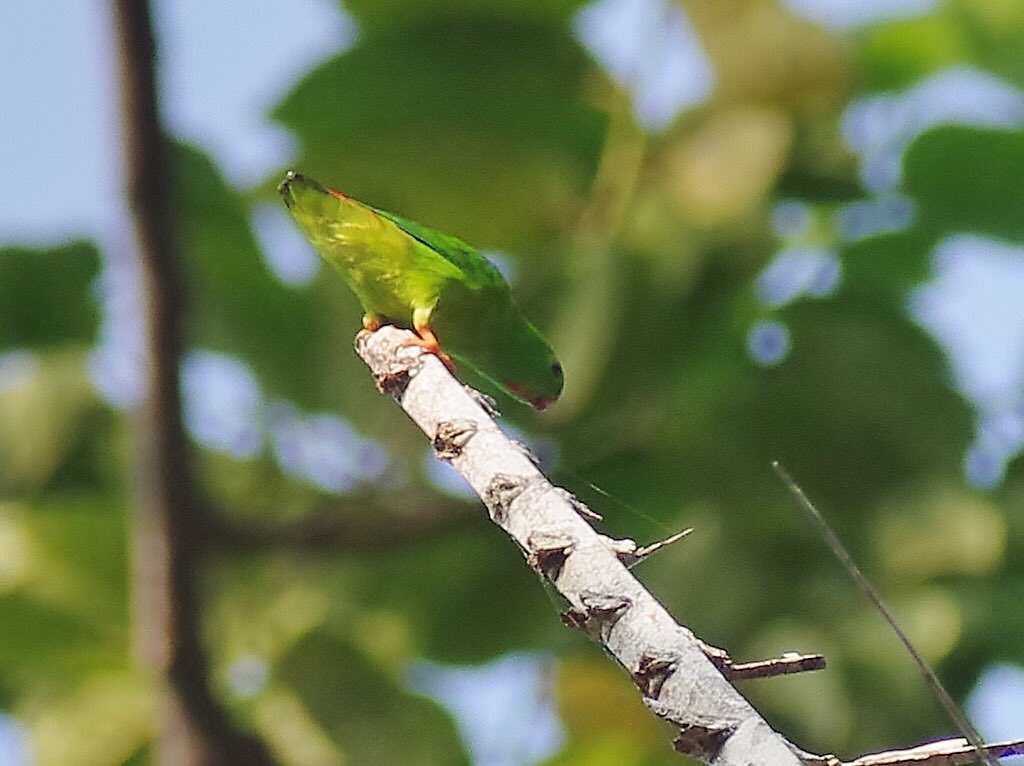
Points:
(946, 752)
(679, 682)
(949, 752)
(681, 679)
(787, 664)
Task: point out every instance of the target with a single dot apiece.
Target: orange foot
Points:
(427, 340)
(371, 322)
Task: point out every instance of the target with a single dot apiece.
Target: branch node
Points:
(789, 663)
(486, 402)
(648, 550)
(701, 742)
(719, 657)
(524, 448)
(548, 552)
(652, 672)
(575, 619)
(605, 608)
(578, 505)
(630, 554)
(393, 374)
(452, 437)
(501, 493)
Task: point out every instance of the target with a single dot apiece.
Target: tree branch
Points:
(681, 679)
(678, 680)
(165, 548)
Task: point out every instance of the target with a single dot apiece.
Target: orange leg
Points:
(427, 340)
(371, 322)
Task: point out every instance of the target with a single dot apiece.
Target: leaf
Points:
(375, 14)
(52, 426)
(606, 723)
(471, 125)
(46, 295)
(81, 561)
(41, 645)
(901, 52)
(105, 719)
(888, 264)
(487, 604)
(967, 179)
(62, 591)
(370, 717)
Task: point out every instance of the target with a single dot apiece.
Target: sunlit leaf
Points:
(52, 424)
(46, 296)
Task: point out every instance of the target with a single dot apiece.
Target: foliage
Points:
(490, 120)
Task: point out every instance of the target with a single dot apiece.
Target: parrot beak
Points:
(285, 188)
(295, 183)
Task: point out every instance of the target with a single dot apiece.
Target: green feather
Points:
(475, 268)
(409, 275)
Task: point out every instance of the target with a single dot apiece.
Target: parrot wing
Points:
(479, 273)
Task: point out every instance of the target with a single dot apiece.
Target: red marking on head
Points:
(539, 403)
(337, 194)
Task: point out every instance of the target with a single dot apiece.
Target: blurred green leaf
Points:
(46, 296)
(478, 127)
(467, 596)
(996, 29)
(63, 597)
(887, 265)
(370, 717)
(44, 647)
(53, 428)
(106, 718)
(376, 14)
(901, 52)
(606, 723)
(81, 557)
(967, 179)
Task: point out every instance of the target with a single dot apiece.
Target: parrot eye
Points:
(556, 370)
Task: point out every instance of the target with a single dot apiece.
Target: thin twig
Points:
(785, 665)
(837, 547)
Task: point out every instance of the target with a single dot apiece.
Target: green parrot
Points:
(405, 274)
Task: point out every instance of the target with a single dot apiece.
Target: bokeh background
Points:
(753, 229)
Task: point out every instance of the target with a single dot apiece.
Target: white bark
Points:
(671, 667)
(681, 679)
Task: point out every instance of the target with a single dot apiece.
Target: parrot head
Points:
(305, 198)
(531, 371)
(540, 402)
